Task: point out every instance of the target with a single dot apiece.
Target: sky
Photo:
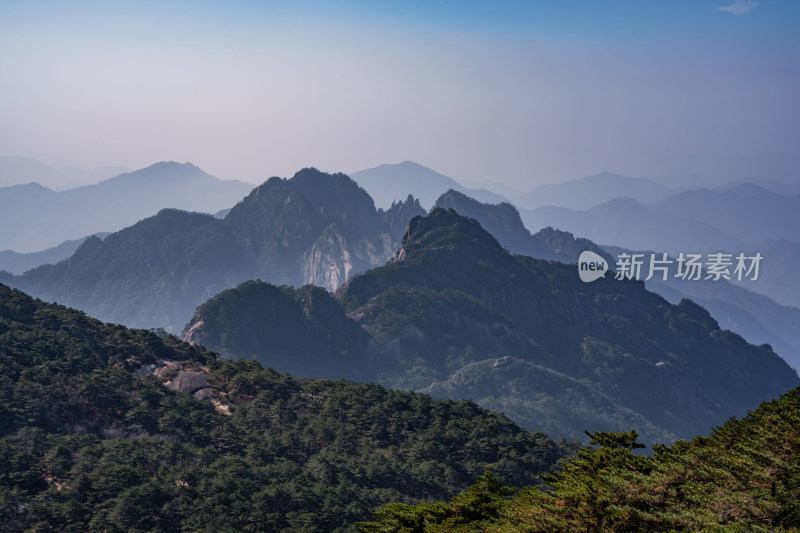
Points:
(522, 93)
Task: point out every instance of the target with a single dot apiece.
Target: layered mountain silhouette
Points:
(590, 191)
(756, 317)
(17, 263)
(504, 223)
(742, 218)
(313, 228)
(748, 211)
(390, 183)
(16, 169)
(457, 315)
(53, 217)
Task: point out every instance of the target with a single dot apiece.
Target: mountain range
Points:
(53, 217)
(744, 218)
(392, 182)
(108, 428)
(457, 316)
(17, 169)
(17, 263)
(590, 191)
(313, 228)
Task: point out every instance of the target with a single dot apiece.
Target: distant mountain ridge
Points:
(504, 223)
(53, 217)
(743, 218)
(590, 191)
(17, 263)
(15, 170)
(391, 182)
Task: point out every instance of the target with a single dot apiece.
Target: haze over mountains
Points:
(592, 190)
(314, 228)
(15, 170)
(17, 263)
(53, 217)
(435, 331)
(744, 218)
(388, 183)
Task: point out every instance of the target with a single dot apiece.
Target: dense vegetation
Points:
(744, 477)
(85, 445)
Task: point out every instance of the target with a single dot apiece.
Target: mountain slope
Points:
(105, 428)
(631, 343)
(295, 329)
(53, 217)
(324, 224)
(151, 274)
(455, 305)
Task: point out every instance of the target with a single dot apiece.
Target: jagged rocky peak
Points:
(400, 214)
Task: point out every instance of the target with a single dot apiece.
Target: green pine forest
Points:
(87, 446)
(744, 477)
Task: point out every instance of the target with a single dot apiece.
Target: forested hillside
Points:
(744, 477)
(104, 428)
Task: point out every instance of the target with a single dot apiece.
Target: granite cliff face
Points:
(456, 315)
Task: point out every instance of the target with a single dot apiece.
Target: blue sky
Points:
(518, 92)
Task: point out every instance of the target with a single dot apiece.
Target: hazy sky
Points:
(518, 92)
